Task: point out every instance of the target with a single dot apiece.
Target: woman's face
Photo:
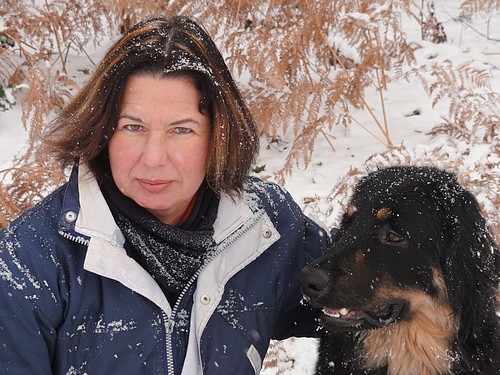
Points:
(158, 153)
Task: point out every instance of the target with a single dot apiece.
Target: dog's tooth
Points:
(332, 313)
(344, 311)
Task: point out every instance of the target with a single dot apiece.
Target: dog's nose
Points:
(314, 282)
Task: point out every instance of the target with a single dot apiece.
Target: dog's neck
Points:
(419, 345)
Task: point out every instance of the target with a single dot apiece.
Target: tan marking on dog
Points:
(351, 210)
(384, 213)
(420, 345)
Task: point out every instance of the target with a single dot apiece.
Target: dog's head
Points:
(411, 239)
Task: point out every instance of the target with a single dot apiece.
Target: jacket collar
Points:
(106, 255)
(91, 219)
(236, 213)
(94, 218)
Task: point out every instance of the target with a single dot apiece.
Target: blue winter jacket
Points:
(73, 302)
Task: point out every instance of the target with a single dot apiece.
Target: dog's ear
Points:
(469, 260)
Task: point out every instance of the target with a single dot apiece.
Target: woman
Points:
(160, 255)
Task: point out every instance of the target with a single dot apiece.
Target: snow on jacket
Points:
(73, 302)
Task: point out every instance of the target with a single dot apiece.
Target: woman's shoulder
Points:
(275, 199)
(267, 190)
(30, 246)
(280, 204)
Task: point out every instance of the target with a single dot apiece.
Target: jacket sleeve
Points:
(301, 241)
(297, 318)
(27, 336)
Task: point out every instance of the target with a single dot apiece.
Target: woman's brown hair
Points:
(159, 46)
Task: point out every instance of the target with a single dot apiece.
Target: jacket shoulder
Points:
(270, 193)
(284, 210)
(44, 212)
(279, 204)
(30, 257)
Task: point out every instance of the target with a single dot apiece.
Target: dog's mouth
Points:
(361, 320)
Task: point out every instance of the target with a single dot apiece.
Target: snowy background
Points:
(411, 117)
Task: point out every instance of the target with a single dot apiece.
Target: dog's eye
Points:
(393, 237)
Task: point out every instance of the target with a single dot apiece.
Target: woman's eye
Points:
(133, 128)
(182, 130)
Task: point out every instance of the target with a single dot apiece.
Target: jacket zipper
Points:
(78, 239)
(169, 322)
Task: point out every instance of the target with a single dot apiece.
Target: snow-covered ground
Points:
(353, 145)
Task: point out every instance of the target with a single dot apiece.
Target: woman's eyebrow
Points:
(130, 117)
(184, 121)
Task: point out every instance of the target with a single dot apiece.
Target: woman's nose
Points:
(155, 150)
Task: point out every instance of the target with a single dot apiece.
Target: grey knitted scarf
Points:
(172, 255)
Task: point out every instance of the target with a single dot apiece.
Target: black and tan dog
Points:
(409, 284)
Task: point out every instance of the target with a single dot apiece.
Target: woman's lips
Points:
(154, 186)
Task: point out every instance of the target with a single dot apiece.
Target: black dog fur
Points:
(409, 285)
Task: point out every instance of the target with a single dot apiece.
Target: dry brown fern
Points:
(289, 58)
(474, 107)
(287, 49)
(278, 359)
(469, 8)
(44, 95)
(432, 29)
(38, 178)
(31, 175)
